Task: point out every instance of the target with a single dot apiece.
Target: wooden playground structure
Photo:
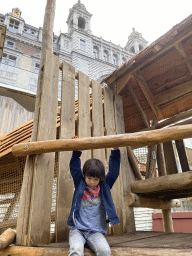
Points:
(100, 124)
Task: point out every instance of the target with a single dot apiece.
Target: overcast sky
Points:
(113, 20)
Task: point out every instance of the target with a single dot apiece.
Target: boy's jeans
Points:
(95, 240)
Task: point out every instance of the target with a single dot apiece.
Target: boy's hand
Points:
(74, 137)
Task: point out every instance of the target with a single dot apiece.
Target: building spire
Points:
(79, 1)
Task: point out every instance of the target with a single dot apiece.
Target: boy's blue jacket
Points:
(80, 185)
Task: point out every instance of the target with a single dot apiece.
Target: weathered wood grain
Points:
(138, 139)
(67, 131)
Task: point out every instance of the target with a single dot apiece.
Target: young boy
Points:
(92, 202)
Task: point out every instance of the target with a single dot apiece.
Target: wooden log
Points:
(41, 129)
(161, 160)
(170, 160)
(7, 238)
(138, 139)
(138, 105)
(134, 163)
(67, 130)
(167, 221)
(182, 155)
(163, 183)
(135, 200)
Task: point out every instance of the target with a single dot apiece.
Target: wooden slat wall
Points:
(67, 130)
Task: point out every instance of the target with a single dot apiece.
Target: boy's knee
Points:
(104, 250)
(76, 249)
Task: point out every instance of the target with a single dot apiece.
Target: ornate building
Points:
(19, 65)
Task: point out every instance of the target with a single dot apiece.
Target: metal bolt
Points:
(26, 147)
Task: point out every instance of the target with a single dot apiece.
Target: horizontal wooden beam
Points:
(176, 181)
(138, 139)
(135, 200)
(173, 93)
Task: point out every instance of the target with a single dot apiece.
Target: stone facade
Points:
(90, 54)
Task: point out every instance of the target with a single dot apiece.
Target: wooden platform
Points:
(137, 243)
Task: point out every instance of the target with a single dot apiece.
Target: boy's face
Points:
(92, 181)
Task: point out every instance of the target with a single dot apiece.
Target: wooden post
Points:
(126, 173)
(167, 221)
(134, 163)
(33, 224)
(170, 161)
(182, 155)
(67, 130)
(117, 190)
(161, 160)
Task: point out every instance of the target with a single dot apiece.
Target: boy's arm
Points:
(114, 166)
(75, 167)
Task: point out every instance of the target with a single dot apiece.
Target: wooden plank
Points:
(84, 123)
(137, 139)
(170, 160)
(173, 93)
(163, 183)
(126, 175)
(121, 86)
(187, 60)
(97, 118)
(117, 190)
(67, 130)
(182, 155)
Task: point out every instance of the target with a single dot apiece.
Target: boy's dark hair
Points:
(94, 168)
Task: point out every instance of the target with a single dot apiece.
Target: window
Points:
(82, 45)
(11, 64)
(106, 55)
(115, 58)
(36, 70)
(132, 50)
(13, 26)
(123, 60)
(2, 65)
(140, 47)
(96, 51)
(10, 44)
(8, 62)
(81, 23)
(66, 44)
